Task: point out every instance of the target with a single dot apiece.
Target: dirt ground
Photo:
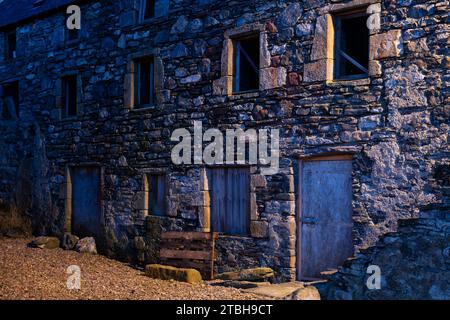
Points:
(31, 273)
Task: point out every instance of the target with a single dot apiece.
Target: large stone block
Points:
(385, 45)
(271, 78)
(252, 274)
(259, 229)
(158, 271)
(320, 70)
(323, 39)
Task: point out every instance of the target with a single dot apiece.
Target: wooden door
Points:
(86, 211)
(229, 194)
(324, 217)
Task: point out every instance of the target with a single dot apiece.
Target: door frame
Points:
(68, 203)
(299, 212)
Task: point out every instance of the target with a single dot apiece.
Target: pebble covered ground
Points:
(32, 273)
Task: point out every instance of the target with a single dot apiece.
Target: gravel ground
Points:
(30, 273)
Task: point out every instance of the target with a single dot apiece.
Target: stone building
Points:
(357, 89)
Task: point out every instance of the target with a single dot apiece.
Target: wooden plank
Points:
(185, 254)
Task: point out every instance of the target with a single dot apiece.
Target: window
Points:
(10, 44)
(156, 194)
(69, 96)
(246, 64)
(144, 82)
(230, 200)
(148, 9)
(71, 34)
(10, 101)
(351, 46)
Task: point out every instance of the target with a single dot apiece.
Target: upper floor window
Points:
(351, 45)
(148, 9)
(10, 44)
(246, 52)
(10, 97)
(69, 96)
(144, 82)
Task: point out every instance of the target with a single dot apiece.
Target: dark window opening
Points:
(148, 9)
(10, 99)
(156, 194)
(351, 46)
(69, 96)
(246, 64)
(72, 34)
(10, 45)
(144, 83)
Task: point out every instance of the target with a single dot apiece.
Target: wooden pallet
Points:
(190, 250)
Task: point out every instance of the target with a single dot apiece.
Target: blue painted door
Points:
(325, 216)
(86, 213)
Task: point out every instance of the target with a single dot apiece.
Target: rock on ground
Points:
(69, 241)
(86, 245)
(158, 271)
(28, 273)
(45, 242)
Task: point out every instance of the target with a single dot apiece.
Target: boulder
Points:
(45, 242)
(69, 241)
(86, 245)
(254, 274)
(244, 284)
(158, 271)
(305, 293)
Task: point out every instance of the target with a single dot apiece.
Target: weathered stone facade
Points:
(413, 262)
(394, 122)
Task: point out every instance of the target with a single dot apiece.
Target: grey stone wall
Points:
(394, 122)
(414, 261)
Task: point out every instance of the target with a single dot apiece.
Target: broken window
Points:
(69, 95)
(246, 64)
(229, 192)
(10, 44)
(148, 9)
(10, 99)
(144, 82)
(156, 194)
(351, 45)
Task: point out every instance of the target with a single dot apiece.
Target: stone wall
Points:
(414, 261)
(393, 122)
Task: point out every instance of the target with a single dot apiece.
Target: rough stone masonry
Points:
(393, 122)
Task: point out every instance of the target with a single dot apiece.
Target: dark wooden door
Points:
(229, 194)
(325, 216)
(86, 212)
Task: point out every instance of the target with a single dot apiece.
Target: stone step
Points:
(287, 291)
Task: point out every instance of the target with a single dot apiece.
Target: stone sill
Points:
(228, 236)
(146, 23)
(143, 109)
(350, 82)
(244, 95)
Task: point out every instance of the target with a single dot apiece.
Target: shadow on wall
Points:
(12, 222)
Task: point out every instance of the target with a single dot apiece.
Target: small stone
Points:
(69, 241)
(45, 242)
(86, 245)
(306, 293)
(180, 25)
